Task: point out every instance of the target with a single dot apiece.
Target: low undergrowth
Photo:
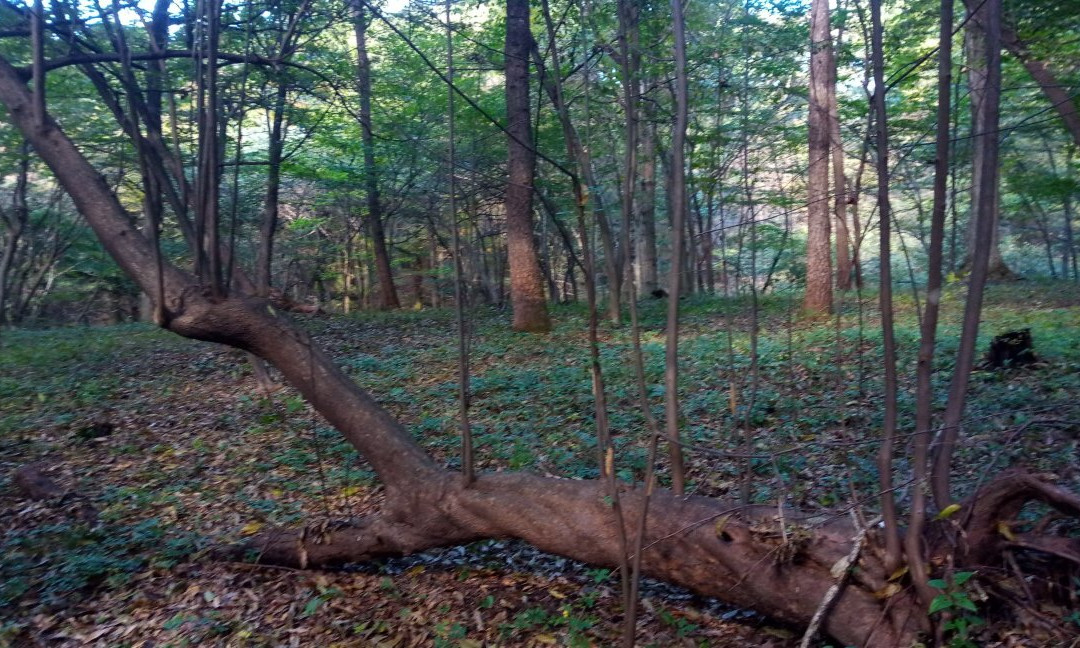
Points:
(192, 453)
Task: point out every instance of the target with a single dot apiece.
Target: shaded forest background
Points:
(292, 153)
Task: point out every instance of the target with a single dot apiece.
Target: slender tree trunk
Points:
(526, 279)
(265, 258)
(208, 257)
(924, 393)
(1068, 252)
(630, 53)
(839, 181)
(582, 158)
(975, 42)
(1068, 249)
(388, 297)
(885, 455)
(983, 210)
(677, 192)
(818, 298)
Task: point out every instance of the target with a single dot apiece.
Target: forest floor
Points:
(176, 449)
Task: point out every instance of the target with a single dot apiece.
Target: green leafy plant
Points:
(957, 607)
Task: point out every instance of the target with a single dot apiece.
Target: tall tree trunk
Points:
(924, 392)
(975, 43)
(677, 193)
(647, 280)
(388, 297)
(839, 181)
(526, 279)
(888, 435)
(208, 259)
(818, 298)
(1068, 252)
(630, 55)
(265, 257)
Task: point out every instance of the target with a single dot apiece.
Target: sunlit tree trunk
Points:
(818, 298)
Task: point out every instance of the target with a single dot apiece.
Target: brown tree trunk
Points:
(526, 279)
(924, 393)
(888, 435)
(630, 55)
(818, 298)
(1068, 252)
(677, 195)
(839, 182)
(388, 297)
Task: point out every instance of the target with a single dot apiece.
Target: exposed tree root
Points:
(993, 509)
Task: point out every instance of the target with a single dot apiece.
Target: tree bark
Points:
(388, 297)
(15, 220)
(647, 279)
(888, 434)
(526, 278)
(818, 298)
(839, 181)
(677, 195)
(630, 55)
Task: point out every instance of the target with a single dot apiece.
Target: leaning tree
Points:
(795, 568)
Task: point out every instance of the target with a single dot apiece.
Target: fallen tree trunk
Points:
(738, 554)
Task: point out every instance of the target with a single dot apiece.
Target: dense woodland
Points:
(769, 272)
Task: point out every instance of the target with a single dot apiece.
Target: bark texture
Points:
(818, 298)
(526, 278)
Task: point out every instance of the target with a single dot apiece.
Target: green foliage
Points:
(958, 609)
